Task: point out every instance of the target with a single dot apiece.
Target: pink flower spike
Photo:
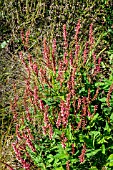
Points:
(77, 30)
(27, 38)
(58, 123)
(50, 132)
(91, 39)
(41, 104)
(85, 53)
(46, 120)
(35, 95)
(65, 37)
(29, 143)
(82, 156)
(53, 55)
(67, 165)
(77, 48)
(71, 59)
(79, 103)
(17, 132)
(64, 32)
(29, 134)
(35, 69)
(73, 149)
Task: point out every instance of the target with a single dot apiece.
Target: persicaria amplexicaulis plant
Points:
(62, 111)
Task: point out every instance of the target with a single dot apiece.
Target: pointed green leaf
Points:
(103, 148)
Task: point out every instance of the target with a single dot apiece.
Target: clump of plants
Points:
(65, 117)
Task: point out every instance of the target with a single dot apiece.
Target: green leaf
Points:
(107, 128)
(93, 168)
(92, 153)
(111, 118)
(102, 141)
(81, 138)
(3, 44)
(103, 99)
(61, 156)
(95, 117)
(110, 161)
(59, 168)
(110, 157)
(95, 134)
(103, 148)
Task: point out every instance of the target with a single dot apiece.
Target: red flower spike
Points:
(79, 103)
(73, 149)
(82, 156)
(64, 140)
(58, 122)
(53, 55)
(77, 29)
(29, 143)
(27, 39)
(35, 95)
(91, 39)
(41, 104)
(67, 165)
(108, 95)
(21, 58)
(17, 132)
(35, 68)
(46, 54)
(19, 157)
(28, 115)
(85, 53)
(96, 94)
(77, 48)
(46, 120)
(71, 60)
(44, 130)
(50, 132)
(29, 134)
(65, 37)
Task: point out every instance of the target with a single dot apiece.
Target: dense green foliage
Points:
(46, 19)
